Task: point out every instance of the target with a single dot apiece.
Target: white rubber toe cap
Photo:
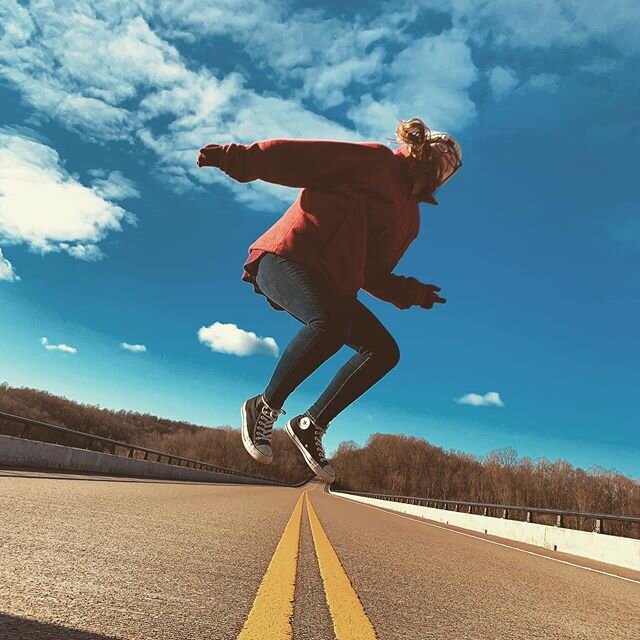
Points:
(265, 450)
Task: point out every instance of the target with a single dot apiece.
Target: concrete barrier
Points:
(18, 452)
(615, 550)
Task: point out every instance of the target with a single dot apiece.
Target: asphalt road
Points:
(86, 558)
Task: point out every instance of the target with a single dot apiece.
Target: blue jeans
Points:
(330, 321)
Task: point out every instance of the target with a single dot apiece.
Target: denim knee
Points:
(385, 354)
(331, 327)
(388, 353)
(332, 319)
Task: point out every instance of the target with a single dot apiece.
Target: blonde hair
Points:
(417, 136)
(421, 142)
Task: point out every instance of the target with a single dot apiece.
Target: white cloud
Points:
(6, 270)
(228, 338)
(86, 252)
(430, 79)
(105, 73)
(490, 399)
(545, 23)
(135, 348)
(57, 347)
(43, 206)
(111, 70)
(113, 185)
(327, 54)
(542, 82)
(600, 66)
(80, 66)
(502, 81)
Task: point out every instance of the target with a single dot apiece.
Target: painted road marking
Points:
(419, 520)
(350, 622)
(272, 610)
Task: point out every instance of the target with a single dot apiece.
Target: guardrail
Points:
(503, 510)
(130, 450)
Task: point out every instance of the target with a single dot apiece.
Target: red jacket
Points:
(352, 221)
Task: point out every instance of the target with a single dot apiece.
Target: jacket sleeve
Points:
(296, 163)
(401, 291)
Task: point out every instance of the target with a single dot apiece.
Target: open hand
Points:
(431, 296)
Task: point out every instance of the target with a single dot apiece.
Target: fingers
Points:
(202, 157)
(431, 297)
(202, 160)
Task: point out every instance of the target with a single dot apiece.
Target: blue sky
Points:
(111, 236)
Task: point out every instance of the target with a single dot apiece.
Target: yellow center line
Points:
(270, 615)
(350, 622)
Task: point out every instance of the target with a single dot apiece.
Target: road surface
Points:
(91, 558)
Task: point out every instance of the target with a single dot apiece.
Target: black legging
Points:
(330, 322)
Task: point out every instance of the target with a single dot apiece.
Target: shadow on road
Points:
(17, 628)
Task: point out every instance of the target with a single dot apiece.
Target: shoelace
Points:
(265, 422)
(317, 435)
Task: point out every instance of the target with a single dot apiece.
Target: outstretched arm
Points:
(295, 163)
(402, 291)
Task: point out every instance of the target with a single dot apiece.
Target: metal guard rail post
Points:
(171, 459)
(599, 518)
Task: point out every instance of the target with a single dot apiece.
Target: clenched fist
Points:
(208, 155)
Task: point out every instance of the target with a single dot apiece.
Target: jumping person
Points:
(355, 216)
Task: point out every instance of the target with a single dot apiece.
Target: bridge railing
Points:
(560, 516)
(63, 435)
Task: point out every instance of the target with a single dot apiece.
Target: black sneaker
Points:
(307, 436)
(257, 424)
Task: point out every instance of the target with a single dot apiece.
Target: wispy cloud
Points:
(429, 78)
(120, 79)
(542, 82)
(135, 348)
(45, 207)
(113, 185)
(81, 69)
(600, 65)
(6, 270)
(548, 23)
(502, 81)
(134, 71)
(326, 54)
(228, 338)
(490, 399)
(57, 347)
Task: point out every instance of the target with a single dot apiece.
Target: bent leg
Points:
(377, 353)
(326, 318)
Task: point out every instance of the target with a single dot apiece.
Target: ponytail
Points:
(421, 142)
(417, 136)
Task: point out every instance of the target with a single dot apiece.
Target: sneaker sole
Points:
(311, 463)
(255, 453)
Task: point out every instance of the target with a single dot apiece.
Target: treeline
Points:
(394, 464)
(405, 465)
(220, 445)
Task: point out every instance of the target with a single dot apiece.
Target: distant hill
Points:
(404, 465)
(395, 464)
(220, 445)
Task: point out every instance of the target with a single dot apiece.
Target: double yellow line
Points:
(272, 611)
